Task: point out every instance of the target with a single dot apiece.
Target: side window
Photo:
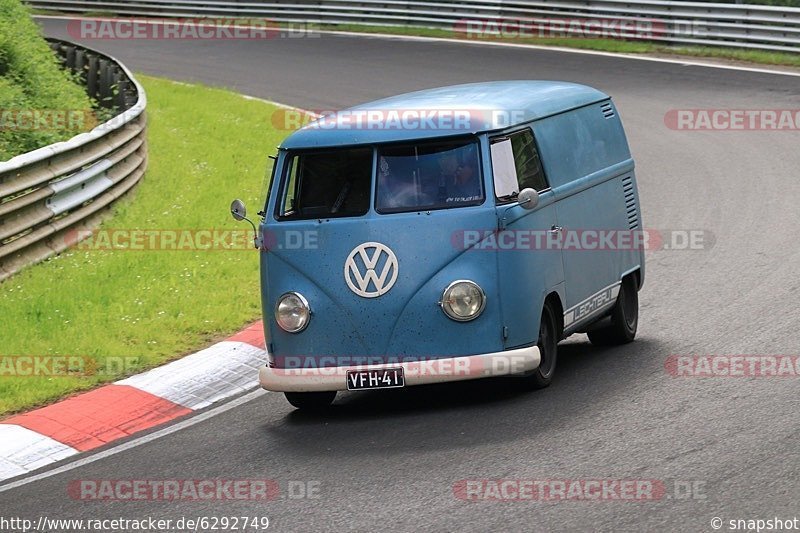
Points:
(516, 165)
(269, 179)
(333, 183)
(526, 159)
(289, 199)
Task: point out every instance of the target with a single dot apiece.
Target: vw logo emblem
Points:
(371, 269)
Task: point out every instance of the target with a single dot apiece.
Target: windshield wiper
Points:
(340, 199)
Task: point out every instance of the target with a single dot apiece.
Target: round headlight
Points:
(292, 312)
(463, 300)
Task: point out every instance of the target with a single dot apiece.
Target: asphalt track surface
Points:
(388, 461)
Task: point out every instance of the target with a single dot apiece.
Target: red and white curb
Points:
(31, 440)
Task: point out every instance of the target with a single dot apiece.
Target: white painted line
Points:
(278, 104)
(137, 442)
(203, 378)
(640, 57)
(257, 99)
(23, 450)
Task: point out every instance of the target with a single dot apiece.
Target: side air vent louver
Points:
(630, 202)
(607, 109)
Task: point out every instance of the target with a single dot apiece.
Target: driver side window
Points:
(526, 159)
(291, 188)
(516, 165)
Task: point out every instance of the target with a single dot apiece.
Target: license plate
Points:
(385, 378)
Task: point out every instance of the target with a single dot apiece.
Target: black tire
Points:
(549, 336)
(624, 318)
(311, 401)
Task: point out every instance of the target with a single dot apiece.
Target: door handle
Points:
(556, 229)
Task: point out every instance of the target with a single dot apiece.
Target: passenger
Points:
(458, 179)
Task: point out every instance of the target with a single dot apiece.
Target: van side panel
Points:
(578, 143)
(587, 161)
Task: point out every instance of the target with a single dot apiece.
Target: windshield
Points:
(337, 183)
(334, 183)
(428, 176)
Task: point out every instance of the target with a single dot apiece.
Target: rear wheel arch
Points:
(623, 321)
(637, 278)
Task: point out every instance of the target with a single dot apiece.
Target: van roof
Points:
(444, 111)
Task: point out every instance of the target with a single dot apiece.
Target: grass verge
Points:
(32, 82)
(206, 147)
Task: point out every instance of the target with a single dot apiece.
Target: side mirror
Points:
(528, 198)
(238, 210)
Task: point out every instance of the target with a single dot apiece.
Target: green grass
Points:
(603, 45)
(31, 79)
(207, 146)
(751, 56)
(609, 45)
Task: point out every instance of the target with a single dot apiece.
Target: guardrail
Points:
(47, 195)
(684, 23)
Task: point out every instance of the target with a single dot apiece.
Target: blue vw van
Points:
(447, 234)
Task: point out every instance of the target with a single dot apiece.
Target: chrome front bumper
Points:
(416, 372)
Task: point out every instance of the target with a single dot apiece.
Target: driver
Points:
(396, 189)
